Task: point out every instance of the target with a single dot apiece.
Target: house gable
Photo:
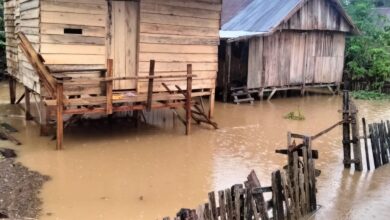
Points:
(327, 15)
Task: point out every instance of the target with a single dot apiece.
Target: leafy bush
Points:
(368, 55)
(369, 95)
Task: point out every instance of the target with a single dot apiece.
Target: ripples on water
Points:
(119, 172)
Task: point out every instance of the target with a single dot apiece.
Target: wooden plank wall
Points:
(295, 58)
(29, 24)
(11, 43)
(317, 15)
(64, 50)
(178, 32)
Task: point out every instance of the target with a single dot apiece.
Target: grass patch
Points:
(295, 115)
(369, 95)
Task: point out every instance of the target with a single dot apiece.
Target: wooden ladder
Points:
(241, 94)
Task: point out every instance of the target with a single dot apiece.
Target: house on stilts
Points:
(274, 45)
(105, 56)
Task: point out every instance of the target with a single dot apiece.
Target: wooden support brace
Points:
(272, 93)
(109, 86)
(189, 99)
(60, 121)
(28, 104)
(21, 98)
(150, 86)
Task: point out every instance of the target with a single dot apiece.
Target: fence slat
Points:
(213, 206)
(222, 206)
(277, 196)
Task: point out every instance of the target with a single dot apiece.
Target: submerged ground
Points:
(114, 171)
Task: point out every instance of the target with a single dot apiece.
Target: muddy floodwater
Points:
(115, 171)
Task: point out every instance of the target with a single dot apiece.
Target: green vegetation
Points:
(295, 115)
(368, 55)
(369, 95)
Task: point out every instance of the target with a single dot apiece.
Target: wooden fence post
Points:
(277, 196)
(60, 121)
(346, 131)
(188, 99)
(357, 152)
(366, 143)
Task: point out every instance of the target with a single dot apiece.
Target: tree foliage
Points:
(368, 55)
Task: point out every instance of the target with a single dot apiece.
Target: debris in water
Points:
(7, 153)
(141, 198)
(8, 127)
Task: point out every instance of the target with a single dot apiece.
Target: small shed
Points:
(271, 45)
(76, 40)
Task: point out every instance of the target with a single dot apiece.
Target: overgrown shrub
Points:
(368, 55)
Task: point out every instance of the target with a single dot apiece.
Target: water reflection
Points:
(114, 171)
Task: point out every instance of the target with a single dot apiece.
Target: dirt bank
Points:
(19, 189)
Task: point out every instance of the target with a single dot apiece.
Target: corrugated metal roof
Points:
(261, 15)
(231, 8)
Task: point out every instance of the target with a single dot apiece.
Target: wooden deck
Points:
(68, 95)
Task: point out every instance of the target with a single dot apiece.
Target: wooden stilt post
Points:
(188, 99)
(150, 87)
(261, 94)
(226, 76)
(60, 121)
(109, 86)
(212, 103)
(45, 116)
(346, 131)
(27, 103)
(12, 90)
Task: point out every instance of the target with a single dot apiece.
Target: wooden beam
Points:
(60, 121)
(37, 62)
(212, 103)
(12, 90)
(188, 99)
(226, 74)
(109, 86)
(21, 98)
(28, 104)
(150, 86)
(272, 94)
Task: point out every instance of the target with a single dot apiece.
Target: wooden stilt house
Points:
(105, 56)
(272, 45)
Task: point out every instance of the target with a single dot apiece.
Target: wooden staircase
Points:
(242, 94)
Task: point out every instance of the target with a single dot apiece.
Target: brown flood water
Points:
(119, 172)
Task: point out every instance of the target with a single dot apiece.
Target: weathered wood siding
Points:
(11, 43)
(317, 15)
(77, 50)
(21, 15)
(293, 58)
(175, 33)
(29, 24)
